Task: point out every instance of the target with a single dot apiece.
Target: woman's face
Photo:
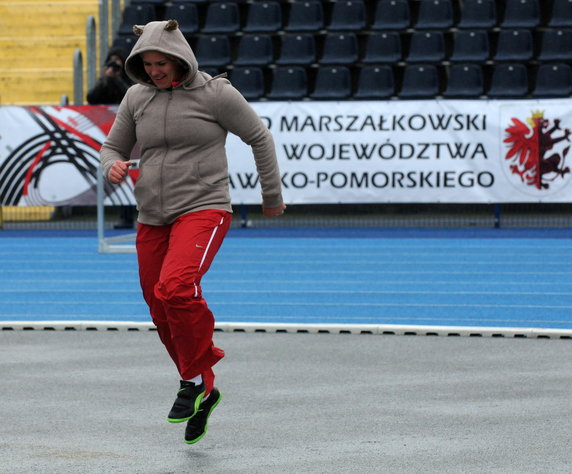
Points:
(162, 70)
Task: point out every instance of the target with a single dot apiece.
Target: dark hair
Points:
(119, 52)
(122, 55)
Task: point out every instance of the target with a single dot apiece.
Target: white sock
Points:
(204, 398)
(196, 380)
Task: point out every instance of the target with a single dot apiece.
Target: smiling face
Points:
(162, 70)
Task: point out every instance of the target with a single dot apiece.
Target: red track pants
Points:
(172, 260)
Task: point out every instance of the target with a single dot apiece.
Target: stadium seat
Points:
(221, 17)
(465, 81)
(426, 47)
(263, 17)
(375, 83)
(553, 80)
(213, 50)
(254, 50)
(135, 15)
(289, 83)
(332, 83)
(561, 15)
(434, 14)
(249, 81)
(125, 42)
(213, 71)
(391, 15)
(420, 81)
(186, 15)
(477, 14)
(470, 46)
(514, 45)
(305, 16)
(509, 81)
(340, 48)
(347, 15)
(521, 14)
(297, 49)
(383, 47)
(556, 45)
(147, 2)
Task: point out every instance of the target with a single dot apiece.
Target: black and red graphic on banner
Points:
(50, 155)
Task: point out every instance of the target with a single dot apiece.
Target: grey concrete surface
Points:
(96, 402)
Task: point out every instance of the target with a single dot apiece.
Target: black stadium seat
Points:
(420, 81)
(509, 81)
(263, 17)
(426, 47)
(340, 48)
(391, 15)
(249, 81)
(297, 48)
(465, 81)
(289, 83)
(213, 50)
(255, 50)
(305, 16)
(375, 83)
(221, 17)
(435, 15)
(332, 83)
(135, 15)
(521, 14)
(556, 45)
(186, 15)
(561, 15)
(553, 80)
(348, 15)
(514, 45)
(470, 46)
(383, 47)
(477, 14)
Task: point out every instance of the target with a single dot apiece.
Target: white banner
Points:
(329, 152)
(415, 151)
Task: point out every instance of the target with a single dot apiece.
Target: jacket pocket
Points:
(148, 189)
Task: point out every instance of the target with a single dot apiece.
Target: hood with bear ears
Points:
(163, 37)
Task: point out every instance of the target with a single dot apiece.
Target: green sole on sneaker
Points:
(208, 414)
(187, 418)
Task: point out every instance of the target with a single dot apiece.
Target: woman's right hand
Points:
(119, 171)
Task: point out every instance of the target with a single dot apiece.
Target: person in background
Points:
(113, 83)
(110, 89)
(180, 118)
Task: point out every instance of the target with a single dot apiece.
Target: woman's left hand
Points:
(273, 211)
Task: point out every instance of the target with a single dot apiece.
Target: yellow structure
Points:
(27, 213)
(37, 43)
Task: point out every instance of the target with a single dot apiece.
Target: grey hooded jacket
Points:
(182, 132)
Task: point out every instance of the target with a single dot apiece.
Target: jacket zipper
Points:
(167, 105)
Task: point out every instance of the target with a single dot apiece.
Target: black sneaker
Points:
(187, 403)
(197, 425)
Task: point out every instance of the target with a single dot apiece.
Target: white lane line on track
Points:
(294, 292)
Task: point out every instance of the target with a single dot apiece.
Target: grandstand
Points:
(272, 38)
(322, 50)
(37, 40)
(350, 37)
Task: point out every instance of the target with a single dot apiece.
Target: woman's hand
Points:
(273, 211)
(119, 171)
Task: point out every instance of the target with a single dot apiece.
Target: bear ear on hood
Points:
(138, 29)
(171, 25)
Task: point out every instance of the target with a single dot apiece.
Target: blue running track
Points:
(470, 278)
